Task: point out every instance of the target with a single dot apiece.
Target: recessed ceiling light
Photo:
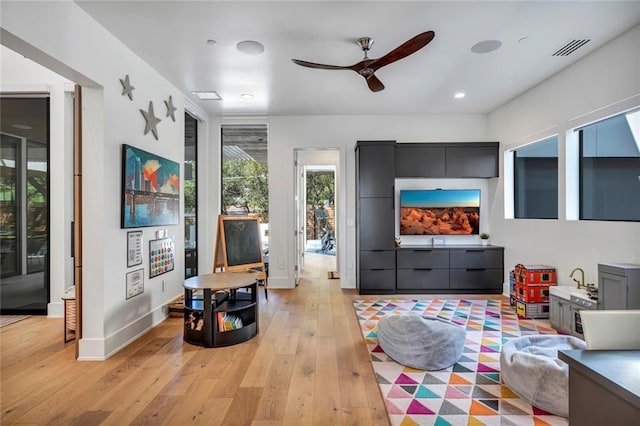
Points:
(246, 96)
(486, 46)
(211, 42)
(208, 96)
(459, 95)
(250, 47)
(21, 126)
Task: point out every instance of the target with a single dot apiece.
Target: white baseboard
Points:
(55, 310)
(281, 282)
(101, 349)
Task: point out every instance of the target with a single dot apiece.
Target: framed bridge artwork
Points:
(150, 189)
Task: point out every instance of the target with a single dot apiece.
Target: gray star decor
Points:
(152, 121)
(170, 109)
(127, 88)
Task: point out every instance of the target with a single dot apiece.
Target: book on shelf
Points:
(228, 322)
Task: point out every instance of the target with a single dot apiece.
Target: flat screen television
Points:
(440, 212)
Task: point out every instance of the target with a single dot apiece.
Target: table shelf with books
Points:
(220, 309)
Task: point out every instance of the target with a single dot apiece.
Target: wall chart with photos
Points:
(161, 256)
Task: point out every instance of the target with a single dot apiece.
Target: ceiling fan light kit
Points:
(367, 66)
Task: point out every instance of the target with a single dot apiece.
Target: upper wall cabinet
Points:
(477, 160)
(450, 160)
(420, 160)
(375, 168)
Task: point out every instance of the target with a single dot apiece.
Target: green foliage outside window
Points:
(320, 188)
(245, 185)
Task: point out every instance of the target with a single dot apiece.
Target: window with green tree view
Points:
(245, 182)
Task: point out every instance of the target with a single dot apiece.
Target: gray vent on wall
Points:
(571, 47)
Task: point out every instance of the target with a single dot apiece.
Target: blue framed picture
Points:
(150, 189)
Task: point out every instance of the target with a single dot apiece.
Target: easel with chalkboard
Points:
(239, 246)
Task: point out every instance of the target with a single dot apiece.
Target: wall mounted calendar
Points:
(134, 248)
(161, 256)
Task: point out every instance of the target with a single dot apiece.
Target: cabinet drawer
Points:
(476, 258)
(476, 279)
(423, 258)
(378, 259)
(423, 279)
(378, 280)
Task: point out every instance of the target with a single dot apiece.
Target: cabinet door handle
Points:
(423, 250)
(475, 250)
(476, 269)
(422, 269)
(377, 269)
(377, 251)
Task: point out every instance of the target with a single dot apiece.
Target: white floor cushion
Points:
(418, 342)
(530, 367)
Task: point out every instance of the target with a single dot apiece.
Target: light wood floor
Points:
(308, 365)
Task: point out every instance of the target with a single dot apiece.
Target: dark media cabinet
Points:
(384, 269)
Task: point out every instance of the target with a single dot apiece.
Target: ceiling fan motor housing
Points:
(365, 43)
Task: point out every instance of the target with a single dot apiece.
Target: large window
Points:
(535, 170)
(610, 169)
(245, 189)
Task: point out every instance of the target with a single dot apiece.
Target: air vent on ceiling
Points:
(571, 47)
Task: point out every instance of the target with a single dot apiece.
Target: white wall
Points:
(84, 52)
(341, 132)
(601, 84)
(23, 75)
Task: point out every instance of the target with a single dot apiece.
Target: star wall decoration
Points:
(127, 88)
(152, 121)
(170, 109)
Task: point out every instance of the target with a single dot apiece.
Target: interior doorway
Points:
(316, 200)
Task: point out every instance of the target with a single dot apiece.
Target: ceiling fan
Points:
(367, 67)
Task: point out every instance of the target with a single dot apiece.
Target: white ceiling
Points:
(172, 38)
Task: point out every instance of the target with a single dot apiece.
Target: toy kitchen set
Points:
(535, 293)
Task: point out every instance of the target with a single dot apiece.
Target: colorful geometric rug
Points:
(468, 393)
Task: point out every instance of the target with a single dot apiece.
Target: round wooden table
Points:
(244, 304)
(220, 281)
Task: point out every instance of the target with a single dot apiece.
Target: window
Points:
(610, 169)
(190, 196)
(535, 171)
(245, 189)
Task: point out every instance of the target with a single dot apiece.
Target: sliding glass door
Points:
(24, 202)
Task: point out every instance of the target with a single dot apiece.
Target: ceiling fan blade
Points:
(404, 50)
(374, 83)
(319, 66)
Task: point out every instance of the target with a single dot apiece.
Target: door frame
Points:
(299, 207)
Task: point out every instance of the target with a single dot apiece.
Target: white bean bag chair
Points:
(530, 367)
(422, 343)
